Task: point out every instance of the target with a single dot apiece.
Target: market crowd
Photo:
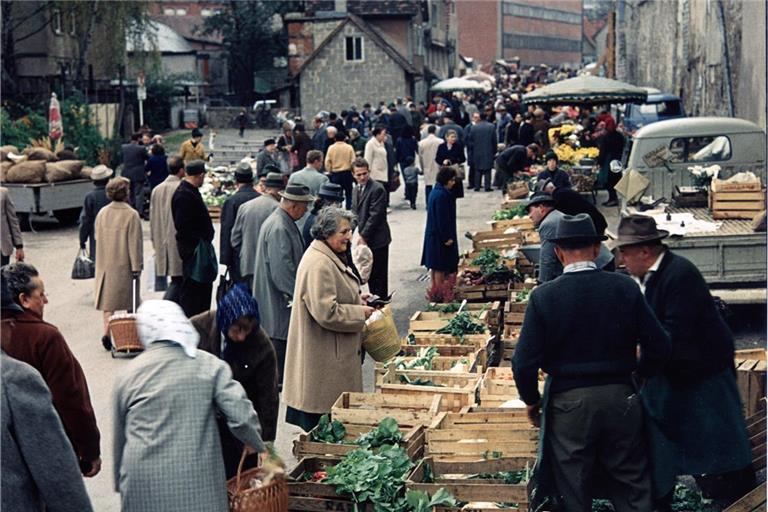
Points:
(305, 229)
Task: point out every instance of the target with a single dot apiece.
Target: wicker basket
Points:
(272, 497)
(124, 335)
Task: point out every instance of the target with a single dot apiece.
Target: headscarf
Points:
(236, 303)
(163, 320)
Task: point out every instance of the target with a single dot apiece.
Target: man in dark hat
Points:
(268, 156)
(249, 219)
(541, 210)
(553, 173)
(245, 192)
(582, 330)
(193, 229)
(694, 409)
(330, 194)
(134, 159)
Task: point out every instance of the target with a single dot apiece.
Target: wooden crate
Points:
(531, 238)
(453, 476)
(304, 446)
(457, 389)
(479, 292)
(736, 200)
(508, 203)
(426, 339)
(475, 433)
(215, 213)
(316, 496)
(430, 321)
(522, 224)
(465, 262)
(371, 408)
(439, 363)
(751, 379)
(498, 387)
(754, 501)
(495, 240)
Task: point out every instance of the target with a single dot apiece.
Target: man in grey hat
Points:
(583, 329)
(278, 252)
(249, 220)
(696, 391)
(541, 210)
(245, 192)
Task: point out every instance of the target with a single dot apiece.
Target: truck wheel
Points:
(67, 217)
(24, 221)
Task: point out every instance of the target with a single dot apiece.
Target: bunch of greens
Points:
(444, 308)
(500, 274)
(461, 324)
(522, 295)
(487, 257)
(387, 432)
(404, 379)
(422, 361)
(371, 477)
(511, 213)
(328, 431)
(508, 477)
(420, 501)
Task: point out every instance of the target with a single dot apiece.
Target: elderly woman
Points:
(441, 252)
(233, 333)
(451, 152)
(327, 320)
(166, 445)
(118, 254)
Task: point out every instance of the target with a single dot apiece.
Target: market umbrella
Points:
(479, 76)
(458, 84)
(55, 127)
(586, 90)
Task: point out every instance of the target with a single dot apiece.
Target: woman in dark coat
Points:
(611, 148)
(233, 333)
(302, 144)
(406, 146)
(451, 152)
(441, 251)
(157, 166)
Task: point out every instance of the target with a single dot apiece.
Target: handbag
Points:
(205, 266)
(225, 284)
(460, 174)
(394, 182)
(83, 268)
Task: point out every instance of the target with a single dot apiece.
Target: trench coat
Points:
(427, 153)
(119, 253)
(167, 453)
(325, 334)
(441, 227)
(162, 229)
(245, 232)
(376, 156)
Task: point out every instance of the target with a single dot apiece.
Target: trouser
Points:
(472, 174)
(411, 192)
(4, 260)
(613, 179)
(173, 291)
(377, 282)
(598, 424)
(385, 184)
(137, 195)
(427, 191)
(194, 297)
(344, 180)
(280, 349)
(478, 179)
(242, 131)
(161, 283)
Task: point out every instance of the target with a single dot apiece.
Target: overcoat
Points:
(167, 453)
(376, 156)
(162, 229)
(549, 266)
(482, 138)
(119, 253)
(441, 227)
(427, 153)
(189, 151)
(10, 232)
(245, 232)
(325, 335)
(94, 201)
(278, 253)
(227, 254)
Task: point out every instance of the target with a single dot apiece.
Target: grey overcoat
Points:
(162, 229)
(245, 233)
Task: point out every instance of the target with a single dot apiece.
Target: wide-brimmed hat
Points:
(331, 192)
(539, 198)
(194, 168)
(638, 229)
(244, 173)
(576, 229)
(298, 193)
(274, 180)
(101, 172)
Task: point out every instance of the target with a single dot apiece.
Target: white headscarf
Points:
(163, 320)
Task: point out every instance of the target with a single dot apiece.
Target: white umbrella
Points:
(458, 84)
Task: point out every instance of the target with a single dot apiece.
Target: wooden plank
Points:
(747, 195)
(750, 501)
(371, 408)
(720, 215)
(738, 205)
(759, 354)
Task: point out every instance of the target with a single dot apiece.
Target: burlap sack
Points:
(31, 171)
(4, 150)
(4, 166)
(85, 172)
(40, 154)
(63, 171)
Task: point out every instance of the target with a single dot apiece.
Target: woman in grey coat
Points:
(166, 443)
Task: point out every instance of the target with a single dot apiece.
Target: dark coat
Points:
(441, 227)
(571, 202)
(512, 134)
(611, 148)
(157, 168)
(455, 154)
(320, 139)
(95, 200)
(406, 147)
(255, 367)
(302, 145)
(228, 255)
(41, 345)
(191, 219)
(134, 157)
(482, 139)
(396, 123)
(559, 177)
(513, 159)
(525, 134)
(371, 210)
(443, 131)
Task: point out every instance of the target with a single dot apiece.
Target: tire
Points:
(67, 217)
(25, 223)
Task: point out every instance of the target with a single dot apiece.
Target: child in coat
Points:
(411, 178)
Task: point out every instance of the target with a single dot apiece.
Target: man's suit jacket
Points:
(134, 157)
(370, 206)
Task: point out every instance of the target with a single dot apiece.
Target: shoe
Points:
(611, 203)
(477, 190)
(413, 206)
(106, 342)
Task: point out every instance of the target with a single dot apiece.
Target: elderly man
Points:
(42, 346)
(338, 162)
(312, 175)
(245, 192)
(427, 153)
(163, 231)
(541, 210)
(249, 220)
(268, 156)
(483, 139)
(10, 230)
(695, 421)
(194, 234)
(134, 159)
(94, 201)
(583, 330)
(278, 252)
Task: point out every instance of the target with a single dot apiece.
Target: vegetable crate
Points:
(736, 200)
(304, 446)
(215, 213)
(750, 378)
(457, 389)
(756, 428)
(480, 292)
(304, 494)
(505, 258)
(495, 240)
(521, 224)
(481, 481)
(439, 364)
(371, 408)
(510, 203)
(422, 339)
(509, 340)
(480, 434)
(430, 321)
(498, 386)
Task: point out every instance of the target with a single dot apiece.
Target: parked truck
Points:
(64, 199)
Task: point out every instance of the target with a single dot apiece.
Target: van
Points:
(658, 107)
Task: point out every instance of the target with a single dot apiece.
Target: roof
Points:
(393, 8)
(372, 34)
(163, 39)
(189, 27)
(696, 126)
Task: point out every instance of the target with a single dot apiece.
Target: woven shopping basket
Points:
(272, 497)
(123, 331)
(380, 338)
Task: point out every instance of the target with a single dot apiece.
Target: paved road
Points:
(53, 249)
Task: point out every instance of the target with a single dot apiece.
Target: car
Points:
(658, 107)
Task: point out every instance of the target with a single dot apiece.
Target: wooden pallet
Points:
(304, 446)
(736, 200)
(754, 501)
(371, 408)
(453, 477)
(751, 368)
(457, 389)
(756, 430)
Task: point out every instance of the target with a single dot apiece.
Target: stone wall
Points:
(331, 83)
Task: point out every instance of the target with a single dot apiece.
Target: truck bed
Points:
(46, 197)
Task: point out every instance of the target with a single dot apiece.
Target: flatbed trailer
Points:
(64, 199)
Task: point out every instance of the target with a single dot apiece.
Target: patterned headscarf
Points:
(163, 320)
(236, 303)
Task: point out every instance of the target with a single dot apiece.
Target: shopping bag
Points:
(204, 265)
(83, 268)
(225, 284)
(380, 337)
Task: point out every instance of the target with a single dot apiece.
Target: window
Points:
(354, 49)
(700, 149)
(169, 12)
(181, 12)
(206, 12)
(56, 21)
